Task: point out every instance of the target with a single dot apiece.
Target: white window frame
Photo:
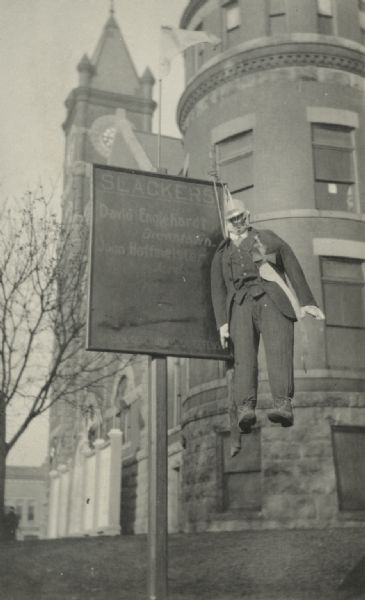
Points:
(232, 15)
(339, 248)
(322, 115)
(231, 128)
(362, 24)
(277, 8)
(237, 156)
(325, 8)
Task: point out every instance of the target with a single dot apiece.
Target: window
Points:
(232, 17)
(362, 20)
(277, 17)
(173, 391)
(349, 455)
(235, 164)
(344, 298)
(241, 485)
(19, 509)
(325, 17)
(30, 511)
(334, 170)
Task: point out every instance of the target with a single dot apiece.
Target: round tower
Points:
(280, 104)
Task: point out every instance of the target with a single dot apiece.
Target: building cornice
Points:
(248, 60)
(134, 104)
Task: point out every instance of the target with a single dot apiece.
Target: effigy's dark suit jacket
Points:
(261, 246)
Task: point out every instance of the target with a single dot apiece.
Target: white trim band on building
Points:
(232, 127)
(306, 213)
(338, 247)
(333, 116)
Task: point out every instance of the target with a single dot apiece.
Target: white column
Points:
(53, 504)
(115, 488)
(70, 467)
(98, 445)
(82, 492)
(75, 526)
(89, 490)
(63, 506)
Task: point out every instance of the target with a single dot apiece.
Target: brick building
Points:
(280, 104)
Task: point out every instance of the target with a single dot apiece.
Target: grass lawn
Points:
(266, 565)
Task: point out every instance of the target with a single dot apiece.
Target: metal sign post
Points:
(157, 480)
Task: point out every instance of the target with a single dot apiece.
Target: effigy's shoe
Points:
(282, 413)
(246, 417)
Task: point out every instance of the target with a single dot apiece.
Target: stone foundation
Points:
(298, 478)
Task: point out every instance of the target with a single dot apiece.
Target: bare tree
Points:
(43, 317)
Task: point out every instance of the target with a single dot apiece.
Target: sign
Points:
(152, 244)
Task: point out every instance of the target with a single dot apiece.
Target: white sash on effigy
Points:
(269, 274)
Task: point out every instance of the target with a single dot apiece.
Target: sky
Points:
(41, 43)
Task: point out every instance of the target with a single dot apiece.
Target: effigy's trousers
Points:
(249, 321)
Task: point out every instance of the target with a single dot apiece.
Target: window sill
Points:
(351, 515)
(306, 213)
(238, 514)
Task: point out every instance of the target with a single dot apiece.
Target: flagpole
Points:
(159, 124)
(214, 174)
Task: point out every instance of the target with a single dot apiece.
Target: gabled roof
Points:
(114, 68)
(172, 150)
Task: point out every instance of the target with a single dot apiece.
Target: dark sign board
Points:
(152, 243)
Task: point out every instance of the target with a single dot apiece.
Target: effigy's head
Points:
(237, 216)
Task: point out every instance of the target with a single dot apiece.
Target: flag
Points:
(174, 41)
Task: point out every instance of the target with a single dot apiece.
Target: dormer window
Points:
(232, 20)
(325, 17)
(362, 20)
(233, 16)
(277, 15)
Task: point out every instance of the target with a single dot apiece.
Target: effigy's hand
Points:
(224, 335)
(313, 311)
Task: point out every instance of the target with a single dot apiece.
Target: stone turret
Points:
(282, 104)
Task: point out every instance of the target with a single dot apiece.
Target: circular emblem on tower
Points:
(102, 134)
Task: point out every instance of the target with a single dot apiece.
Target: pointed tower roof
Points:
(148, 76)
(85, 65)
(114, 68)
